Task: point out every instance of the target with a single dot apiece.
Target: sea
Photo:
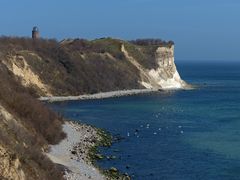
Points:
(172, 135)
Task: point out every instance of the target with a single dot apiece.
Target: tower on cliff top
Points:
(35, 33)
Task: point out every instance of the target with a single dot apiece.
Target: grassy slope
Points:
(75, 67)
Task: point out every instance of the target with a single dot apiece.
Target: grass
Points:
(145, 55)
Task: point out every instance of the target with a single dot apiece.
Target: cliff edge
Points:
(164, 75)
(75, 66)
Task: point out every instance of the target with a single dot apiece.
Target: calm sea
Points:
(175, 135)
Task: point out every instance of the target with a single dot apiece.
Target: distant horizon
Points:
(201, 30)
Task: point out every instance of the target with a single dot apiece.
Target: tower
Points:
(35, 33)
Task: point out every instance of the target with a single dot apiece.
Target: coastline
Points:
(77, 152)
(111, 94)
(72, 153)
(101, 95)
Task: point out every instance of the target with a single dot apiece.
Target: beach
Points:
(101, 95)
(72, 152)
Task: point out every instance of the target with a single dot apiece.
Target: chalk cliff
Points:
(75, 67)
(164, 75)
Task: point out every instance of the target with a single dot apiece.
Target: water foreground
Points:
(172, 135)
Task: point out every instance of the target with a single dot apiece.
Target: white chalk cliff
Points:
(165, 76)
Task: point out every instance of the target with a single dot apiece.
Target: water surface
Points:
(173, 135)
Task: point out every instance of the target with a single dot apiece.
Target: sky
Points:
(203, 30)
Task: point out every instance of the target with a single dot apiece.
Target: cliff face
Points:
(164, 75)
(18, 65)
(10, 166)
(26, 129)
(21, 157)
(75, 67)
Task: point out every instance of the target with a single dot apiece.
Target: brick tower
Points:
(35, 33)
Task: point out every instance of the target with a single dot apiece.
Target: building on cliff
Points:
(35, 33)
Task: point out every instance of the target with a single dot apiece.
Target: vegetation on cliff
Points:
(78, 66)
(29, 69)
(27, 127)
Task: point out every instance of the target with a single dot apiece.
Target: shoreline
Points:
(72, 153)
(77, 152)
(101, 95)
(111, 94)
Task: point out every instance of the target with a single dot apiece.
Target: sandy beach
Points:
(72, 152)
(102, 95)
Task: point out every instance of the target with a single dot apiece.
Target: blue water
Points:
(177, 135)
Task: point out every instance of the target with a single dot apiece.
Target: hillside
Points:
(74, 67)
(30, 69)
(27, 127)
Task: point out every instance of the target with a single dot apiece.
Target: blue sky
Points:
(202, 30)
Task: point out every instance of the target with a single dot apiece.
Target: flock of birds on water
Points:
(136, 133)
(147, 126)
(139, 131)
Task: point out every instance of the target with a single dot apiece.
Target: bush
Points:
(149, 42)
(30, 111)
